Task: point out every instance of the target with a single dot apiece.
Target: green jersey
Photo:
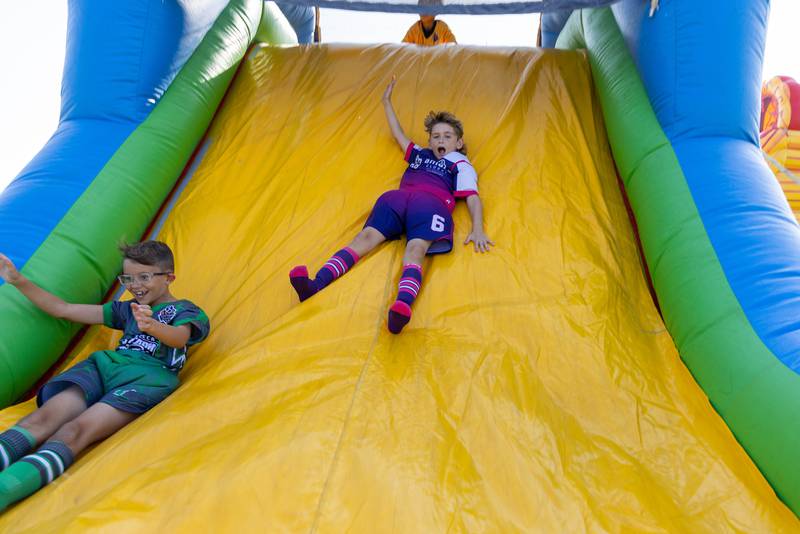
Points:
(119, 315)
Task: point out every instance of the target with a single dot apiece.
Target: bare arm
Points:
(174, 336)
(391, 117)
(46, 301)
(479, 239)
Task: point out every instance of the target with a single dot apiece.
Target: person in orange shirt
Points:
(428, 31)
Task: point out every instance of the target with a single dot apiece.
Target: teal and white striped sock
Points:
(34, 471)
(15, 443)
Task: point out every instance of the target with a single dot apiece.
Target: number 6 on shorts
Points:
(437, 224)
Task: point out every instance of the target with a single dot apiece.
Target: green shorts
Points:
(129, 381)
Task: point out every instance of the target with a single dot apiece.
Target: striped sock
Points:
(51, 460)
(407, 290)
(14, 444)
(33, 472)
(410, 282)
(340, 263)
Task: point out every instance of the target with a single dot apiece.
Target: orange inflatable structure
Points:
(780, 134)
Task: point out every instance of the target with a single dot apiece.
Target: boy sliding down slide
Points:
(421, 208)
(100, 395)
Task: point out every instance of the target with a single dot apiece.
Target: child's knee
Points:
(371, 233)
(417, 248)
(369, 237)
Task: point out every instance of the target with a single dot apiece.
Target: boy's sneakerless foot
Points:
(302, 283)
(399, 315)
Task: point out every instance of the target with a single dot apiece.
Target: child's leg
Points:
(366, 241)
(56, 454)
(40, 425)
(338, 265)
(429, 227)
(385, 221)
(409, 286)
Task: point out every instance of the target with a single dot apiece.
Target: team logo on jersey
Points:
(140, 342)
(417, 162)
(167, 314)
(438, 166)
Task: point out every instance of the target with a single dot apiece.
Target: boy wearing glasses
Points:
(98, 396)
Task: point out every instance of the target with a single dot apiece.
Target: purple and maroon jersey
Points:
(448, 178)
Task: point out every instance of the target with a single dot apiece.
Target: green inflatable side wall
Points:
(753, 391)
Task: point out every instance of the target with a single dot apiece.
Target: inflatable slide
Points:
(537, 389)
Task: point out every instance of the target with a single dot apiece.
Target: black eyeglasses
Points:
(142, 278)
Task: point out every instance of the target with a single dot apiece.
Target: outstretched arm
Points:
(391, 117)
(46, 301)
(174, 336)
(479, 239)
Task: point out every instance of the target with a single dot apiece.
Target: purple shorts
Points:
(417, 214)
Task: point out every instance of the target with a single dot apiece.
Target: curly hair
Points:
(153, 253)
(445, 117)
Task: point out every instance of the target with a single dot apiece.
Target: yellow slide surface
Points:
(535, 389)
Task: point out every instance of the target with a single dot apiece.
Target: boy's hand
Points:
(479, 241)
(8, 271)
(144, 317)
(391, 116)
(387, 94)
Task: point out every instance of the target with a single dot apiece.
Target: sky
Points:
(32, 61)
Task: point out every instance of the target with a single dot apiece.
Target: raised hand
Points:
(387, 94)
(8, 271)
(144, 317)
(391, 116)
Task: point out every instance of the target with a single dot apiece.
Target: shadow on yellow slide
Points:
(535, 390)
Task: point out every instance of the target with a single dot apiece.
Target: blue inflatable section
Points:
(706, 94)
(707, 99)
(114, 76)
(301, 18)
(551, 26)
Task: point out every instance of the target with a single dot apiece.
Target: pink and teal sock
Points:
(33, 472)
(338, 265)
(14, 444)
(407, 291)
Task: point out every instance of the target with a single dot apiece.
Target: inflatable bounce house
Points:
(542, 387)
(780, 134)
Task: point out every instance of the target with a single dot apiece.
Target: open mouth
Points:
(139, 294)
(441, 150)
